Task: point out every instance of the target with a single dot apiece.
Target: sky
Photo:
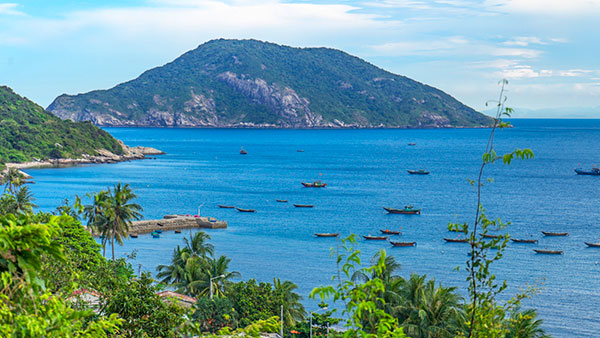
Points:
(548, 50)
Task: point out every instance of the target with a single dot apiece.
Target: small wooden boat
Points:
(245, 210)
(226, 206)
(281, 201)
(456, 240)
(592, 172)
(303, 205)
(397, 244)
(530, 241)
(324, 234)
(133, 235)
(412, 144)
(592, 245)
(490, 236)
(300, 150)
(408, 210)
(159, 224)
(390, 232)
(158, 231)
(418, 172)
(243, 152)
(155, 235)
(376, 238)
(177, 231)
(315, 184)
(555, 233)
(548, 252)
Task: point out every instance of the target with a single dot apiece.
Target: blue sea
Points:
(364, 171)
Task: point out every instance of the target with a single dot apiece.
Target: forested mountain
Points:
(249, 83)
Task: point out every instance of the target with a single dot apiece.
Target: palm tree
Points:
(121, 213)
(12, 180)
(195, 246)
(293, 310)
(198, 273)
(525, 325)
(198, 244)
(23, 201)
(96, 217)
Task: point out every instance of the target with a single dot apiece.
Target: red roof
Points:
(183, 298)
(84, 290)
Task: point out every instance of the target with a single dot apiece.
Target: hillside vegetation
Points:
(249, 83)
(27, 131)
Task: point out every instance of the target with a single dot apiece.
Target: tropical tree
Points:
(198, 273)
(293, 310)
(121, 213)
(198, 245)
(97, 217)
(12, 180)
(195, 246)
(21, 202)
(525, 325)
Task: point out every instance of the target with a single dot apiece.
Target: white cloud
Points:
(10, 9)
(546, 7)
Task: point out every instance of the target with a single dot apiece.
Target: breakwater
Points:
(176, 222)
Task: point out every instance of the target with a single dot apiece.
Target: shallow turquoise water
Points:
(365, 170)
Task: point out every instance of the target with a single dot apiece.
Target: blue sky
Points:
(549, 50)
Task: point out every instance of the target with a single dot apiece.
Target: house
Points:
(179, 299)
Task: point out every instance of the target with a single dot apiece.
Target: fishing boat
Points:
(155, 235)
(592, 245)
(315, 184)
(408, 210)
(412, 144)
(243, 152)
(549, 252)
(396, 244)
(490, 236)
(226, 206)
(158, 231)
(555, 233)
(592, 172)
(303, 205)
(177, 231)
(281, 201)
(418, 172)
(530, 241)
(300, 150)
(456, 240)
(133, 235)
(245, 210)
(376, 238)
(390, 232)
(325, 234)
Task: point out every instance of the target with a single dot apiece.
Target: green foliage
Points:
(336, 85)
(27, 131)
(253, 301)
(214, 314)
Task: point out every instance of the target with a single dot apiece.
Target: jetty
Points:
(173, 222)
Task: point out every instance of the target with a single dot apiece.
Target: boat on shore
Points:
(390, 232)
(529, 241)
(548, 252)
(303, 205)
(555, 233)
(456, 240)
(226, 206)
(315, 184)
(376, 238)
(592, 172)
(325, 234)
(281, 201)
(592, 245)
(408, 210)
(245, 210)
(418, 172)
(403, 244)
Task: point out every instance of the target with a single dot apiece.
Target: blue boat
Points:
(593, 172)
(155, 235)
(158, 231)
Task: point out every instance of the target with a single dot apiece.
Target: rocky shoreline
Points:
(103, 156)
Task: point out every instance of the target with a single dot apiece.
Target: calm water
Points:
(365, 170)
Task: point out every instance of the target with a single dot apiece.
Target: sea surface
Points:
(364, 171)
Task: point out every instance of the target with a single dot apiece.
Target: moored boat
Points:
(300, 150)
(592, 245)
(408, 210)
(530, 241)
(281, 201)
(397, 244)
(226, 206)
(412, 144)
(456, 240)
(418, 172)
(158, 231)
(155, 235)
(390, 232)
(376, 238)
(549, 252)
(177, 231)
(592, 172)
(490, 236)
(555, 233)
(303, 205)
(325, 234)
(245, 210)
(315, 184)
(243, 152)
(133, 235)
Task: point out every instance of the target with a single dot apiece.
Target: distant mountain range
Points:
(567, 112)
(29, 132)
(249, 83)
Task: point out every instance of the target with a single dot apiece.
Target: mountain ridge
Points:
(250, 83)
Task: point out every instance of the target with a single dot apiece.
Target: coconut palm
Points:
(293, 310)
(23, 201)
(96, 216)
(121, 213)
(198, 244)
(175, 272)
(198, 273)
(525, 325)
(12, 180)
